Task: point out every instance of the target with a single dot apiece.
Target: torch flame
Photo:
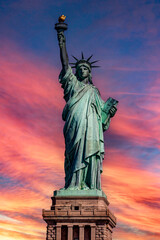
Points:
(62, 18)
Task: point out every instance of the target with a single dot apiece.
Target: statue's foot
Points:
(84, 186)
(73, 188)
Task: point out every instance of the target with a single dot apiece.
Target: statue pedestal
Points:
(79, 218)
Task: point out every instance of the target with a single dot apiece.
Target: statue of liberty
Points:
(86, 117)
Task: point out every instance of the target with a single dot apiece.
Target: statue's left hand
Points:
(112, 111)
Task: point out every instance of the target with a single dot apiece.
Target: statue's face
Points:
(83, 72)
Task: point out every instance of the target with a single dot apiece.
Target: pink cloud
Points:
(30, 95)
(133, 193)
(32, 152)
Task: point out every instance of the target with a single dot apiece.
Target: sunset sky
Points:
(125, 36)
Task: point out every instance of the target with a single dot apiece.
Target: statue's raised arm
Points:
(61, 27)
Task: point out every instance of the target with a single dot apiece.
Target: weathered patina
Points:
(86, 117)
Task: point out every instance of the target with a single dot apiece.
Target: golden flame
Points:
(62, 18)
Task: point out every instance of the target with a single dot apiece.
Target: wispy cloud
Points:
(125, 35)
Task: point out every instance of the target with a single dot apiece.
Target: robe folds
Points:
(86, 117)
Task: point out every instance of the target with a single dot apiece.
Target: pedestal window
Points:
(87, 232)
(64, 233)
(76, 233)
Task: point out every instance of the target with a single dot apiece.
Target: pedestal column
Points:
(70, 232)
(58, 232)
(93, 232)
(81, 232)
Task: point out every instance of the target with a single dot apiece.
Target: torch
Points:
(61, 26)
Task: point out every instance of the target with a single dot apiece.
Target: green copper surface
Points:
(79, 193)
(86, 118)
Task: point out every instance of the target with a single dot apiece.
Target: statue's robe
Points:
(85, 119)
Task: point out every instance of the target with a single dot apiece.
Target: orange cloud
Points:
(32, 154)
(32, 150)
(134, 196)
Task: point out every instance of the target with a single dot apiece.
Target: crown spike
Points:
(82, 56)
(82, 60)
(89, 58)
(94, 62)
(75, 58)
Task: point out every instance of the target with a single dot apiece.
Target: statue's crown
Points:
(85, 61)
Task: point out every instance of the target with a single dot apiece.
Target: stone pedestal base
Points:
(79, 218)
